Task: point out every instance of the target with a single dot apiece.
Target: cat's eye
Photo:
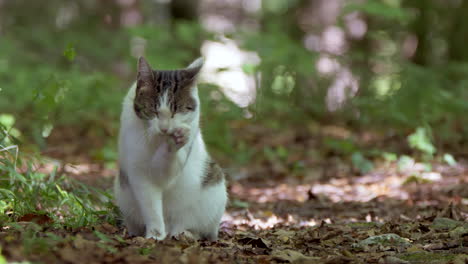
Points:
(190, 108)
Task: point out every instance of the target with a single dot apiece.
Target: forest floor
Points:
(324, 210)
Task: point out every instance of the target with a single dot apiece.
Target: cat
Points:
(168, 184)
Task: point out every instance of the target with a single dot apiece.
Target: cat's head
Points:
(167, 98)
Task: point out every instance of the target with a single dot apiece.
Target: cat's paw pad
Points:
(180, 137)
(155, 234)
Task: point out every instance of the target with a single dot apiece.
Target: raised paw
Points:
(180, 137)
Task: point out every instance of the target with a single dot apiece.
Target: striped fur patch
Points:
(153, 84)
(213, 174)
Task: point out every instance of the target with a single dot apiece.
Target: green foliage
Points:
(420, 140)
(449, 159)
(390, 10)
(283, 83)
(405, 162)
(76, 73)
(285, 62)
(341, 146)
(69, 52)
(24, 190)
(360, 162)
(2, 258)
(403, 96)
(217, 113)
(276, 154)
(53, 95)
(53, 75)
(389, 157)
(168, 48)
(416, 179)
(278, 6)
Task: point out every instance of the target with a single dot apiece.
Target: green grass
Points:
(25, 190)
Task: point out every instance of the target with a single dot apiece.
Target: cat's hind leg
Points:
(128, 206)
(207, 217)
(134, 228)
(211, 235)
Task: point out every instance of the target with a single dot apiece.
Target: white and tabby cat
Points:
(168, 184)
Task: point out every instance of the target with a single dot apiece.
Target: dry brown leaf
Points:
(293, 256)
(71, 255)
(40, 219)
(254, 242)
(392, 260)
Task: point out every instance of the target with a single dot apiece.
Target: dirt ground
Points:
(330, 214)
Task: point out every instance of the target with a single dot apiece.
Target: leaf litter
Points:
(323, 210)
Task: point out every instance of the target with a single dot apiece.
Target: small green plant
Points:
(24, 190)
(421, 141)
(449, 159)
(361, 163)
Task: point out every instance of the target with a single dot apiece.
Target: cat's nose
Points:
(164, 130)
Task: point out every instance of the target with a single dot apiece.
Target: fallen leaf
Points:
(107, 228)
(414, 248)
(442, 224)
(339, 260)
(40, 219)
(239, 204)
(385, 240)
(292, 256)
(80, 243)
(459, 231)
(284, 235)
(392, 260)
(254, 242)
(461, 259)
(70, 255)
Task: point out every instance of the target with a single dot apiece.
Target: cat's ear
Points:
(192, 71)
(145, 73)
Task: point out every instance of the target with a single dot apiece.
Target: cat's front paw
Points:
(180, 137)
(155, 234)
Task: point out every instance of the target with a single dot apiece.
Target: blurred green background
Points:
(391, 75)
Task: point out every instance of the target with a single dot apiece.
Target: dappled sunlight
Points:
(338, 190)
(345, 86)
(387, 193)
(333, 41)
(250, 221)
(388, 181)
(271, 194)
(224, 67)
(356, 25)
(326, 65)
(245, 220)
(89, 172)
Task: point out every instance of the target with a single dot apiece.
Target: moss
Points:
(442, 224)
(427, 257)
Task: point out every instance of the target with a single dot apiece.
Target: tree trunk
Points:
(456, 39)
(184, 9)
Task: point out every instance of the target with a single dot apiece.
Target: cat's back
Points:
(128, 114)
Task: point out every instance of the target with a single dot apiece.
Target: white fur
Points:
(197, 63)
(165, 192)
